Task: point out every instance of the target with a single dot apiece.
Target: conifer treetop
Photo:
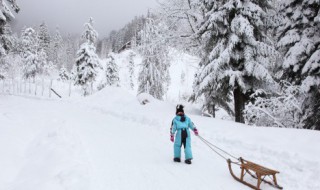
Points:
(90, 35)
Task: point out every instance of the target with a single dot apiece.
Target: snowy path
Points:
(53, 145)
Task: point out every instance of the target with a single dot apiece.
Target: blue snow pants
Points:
(186, 142)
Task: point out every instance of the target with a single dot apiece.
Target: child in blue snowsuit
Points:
(180, 126)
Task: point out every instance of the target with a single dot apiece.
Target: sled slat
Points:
(258, 169)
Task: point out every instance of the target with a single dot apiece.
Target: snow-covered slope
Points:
(111, 141)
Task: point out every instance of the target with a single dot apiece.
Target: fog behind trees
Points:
(70, 15)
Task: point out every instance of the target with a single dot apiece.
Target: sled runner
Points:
(256, 171)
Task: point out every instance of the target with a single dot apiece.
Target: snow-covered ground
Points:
(110, 141)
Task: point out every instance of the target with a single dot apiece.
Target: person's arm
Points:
(190, 123)
(193, 128)
(172, 131)
(173, 127)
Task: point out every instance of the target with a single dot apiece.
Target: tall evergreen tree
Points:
(29, 53)
(56, 49)
(8, 44)
(154, 75)
(238, 53)
(87, 60)
(44, 37)
(5, 16)
(70, 52)
(299, 41)
(299, 38)
(6, 39)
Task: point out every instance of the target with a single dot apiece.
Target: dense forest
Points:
(260, 59)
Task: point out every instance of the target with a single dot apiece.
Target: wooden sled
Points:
(256, 171)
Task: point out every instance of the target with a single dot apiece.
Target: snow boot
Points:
(176, 160)
(188, 161)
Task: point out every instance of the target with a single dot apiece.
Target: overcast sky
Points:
(70, 15)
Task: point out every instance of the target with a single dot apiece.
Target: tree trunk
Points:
(214, 110)
(239, 104)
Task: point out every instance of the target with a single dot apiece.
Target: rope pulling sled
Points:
(247, 167)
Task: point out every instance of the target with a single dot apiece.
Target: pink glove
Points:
(195, 130)
(171, 138)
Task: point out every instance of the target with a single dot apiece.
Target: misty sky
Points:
(70, 15)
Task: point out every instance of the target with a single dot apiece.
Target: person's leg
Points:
(187, 150)
(177, 146)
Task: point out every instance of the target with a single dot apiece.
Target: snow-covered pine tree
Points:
(44, 38)
(299, 41)
(5, 16)
(87, 63)
(131, 68)
(238, 53)
(154, 75)
(56, 49)
(29, 53)
(8, 44)
(87, 60)
(299, 38)
(5, 12)
(7, 40)
(70, 52)
(112, 72)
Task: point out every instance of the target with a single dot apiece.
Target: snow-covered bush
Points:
(10, 66)
(45, 67)
(145, 98)
(276, 110)
(109, 75)
(63, 74)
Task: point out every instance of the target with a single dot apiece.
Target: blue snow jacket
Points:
(178, 127)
